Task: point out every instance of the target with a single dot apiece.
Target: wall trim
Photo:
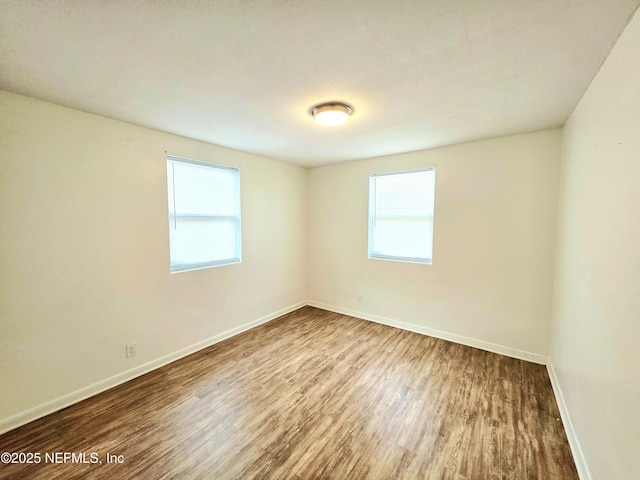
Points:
(452, 337)
(578, 455)
(71, 398)
(576, 450)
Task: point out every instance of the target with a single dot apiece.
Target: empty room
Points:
(320, 239)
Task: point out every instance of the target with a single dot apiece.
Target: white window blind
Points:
(401, 206)
(204, 214)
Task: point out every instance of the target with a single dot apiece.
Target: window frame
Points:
(173, 219)
(372, 217)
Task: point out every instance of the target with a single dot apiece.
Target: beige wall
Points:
(596, 329)
(495, 217)
(84, 254)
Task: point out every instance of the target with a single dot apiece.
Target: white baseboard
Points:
(578, 456)
(69, 399)
(452, 337)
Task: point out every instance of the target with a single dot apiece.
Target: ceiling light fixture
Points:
(331, 114)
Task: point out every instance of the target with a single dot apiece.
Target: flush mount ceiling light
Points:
(331, 114)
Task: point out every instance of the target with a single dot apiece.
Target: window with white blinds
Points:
(401, 206)
(204, 214)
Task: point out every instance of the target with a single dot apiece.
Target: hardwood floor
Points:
(312, 395)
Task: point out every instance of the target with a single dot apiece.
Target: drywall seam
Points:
(452, 337)
(69, 399)
(578, 456)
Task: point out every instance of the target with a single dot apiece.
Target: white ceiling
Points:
(243, 74)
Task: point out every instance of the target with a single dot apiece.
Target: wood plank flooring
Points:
(312, 395)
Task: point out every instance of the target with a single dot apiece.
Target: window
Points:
(204, 214)
(401, 215)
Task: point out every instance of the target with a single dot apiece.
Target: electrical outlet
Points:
(360, 297)
(131, 350)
